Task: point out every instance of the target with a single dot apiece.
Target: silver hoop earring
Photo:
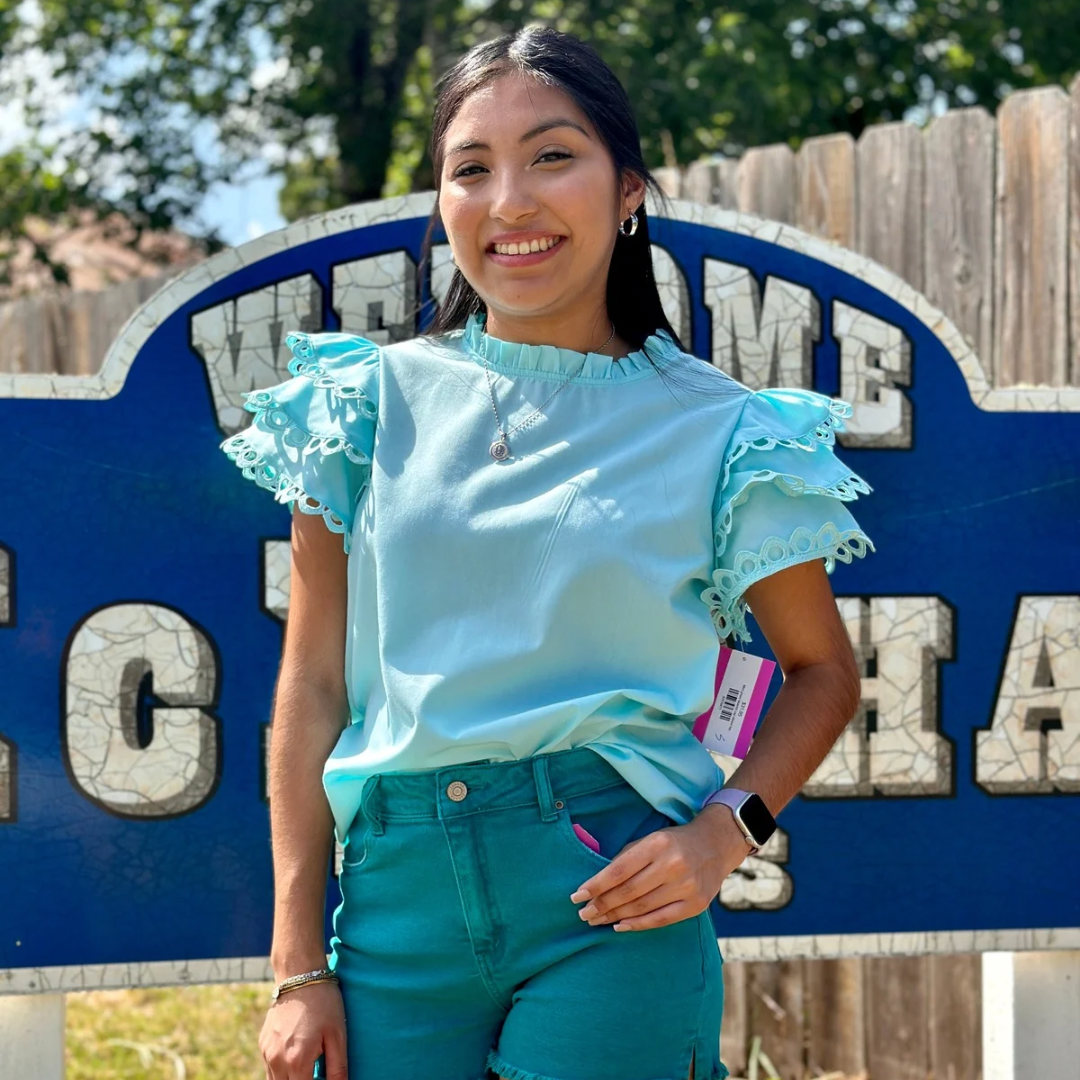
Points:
(633, 225)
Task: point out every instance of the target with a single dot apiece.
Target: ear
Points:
(633, 193)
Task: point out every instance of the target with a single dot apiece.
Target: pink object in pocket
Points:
(587, 838)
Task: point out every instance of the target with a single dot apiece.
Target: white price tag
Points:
(742, 681)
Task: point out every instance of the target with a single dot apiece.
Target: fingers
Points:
(662, 916)
(632, 859)
(636, 903)
(651, 883)
(337, 1065)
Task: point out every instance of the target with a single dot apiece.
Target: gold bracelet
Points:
(294, 982)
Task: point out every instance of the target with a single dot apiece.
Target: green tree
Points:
(335, 95)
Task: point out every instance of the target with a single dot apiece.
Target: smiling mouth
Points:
(526, 247)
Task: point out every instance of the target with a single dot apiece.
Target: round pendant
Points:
(499, 450)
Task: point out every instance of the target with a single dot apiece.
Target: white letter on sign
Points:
(893, 745)
(138, 738)
(1033, 744)
(242, 342)
(766, 342)
(375, 297)
(875, 357)
(761, 881)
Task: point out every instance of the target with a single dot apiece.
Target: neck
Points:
(582, 331)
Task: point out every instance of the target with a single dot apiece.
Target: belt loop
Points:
(543, 788)
(372, 814)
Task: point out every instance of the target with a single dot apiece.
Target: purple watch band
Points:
(733, 798)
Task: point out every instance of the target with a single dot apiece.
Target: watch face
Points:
(756, 817)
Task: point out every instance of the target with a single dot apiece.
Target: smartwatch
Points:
(750, 813)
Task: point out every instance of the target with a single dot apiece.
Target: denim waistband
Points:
(542, 780)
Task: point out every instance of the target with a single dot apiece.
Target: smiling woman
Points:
(496, 670)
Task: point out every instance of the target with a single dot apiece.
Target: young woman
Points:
(515, 541)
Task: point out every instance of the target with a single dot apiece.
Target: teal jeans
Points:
(461, 956)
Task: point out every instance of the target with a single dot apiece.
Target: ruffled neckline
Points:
(554, 363)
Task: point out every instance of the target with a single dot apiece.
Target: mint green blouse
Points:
(572, 595)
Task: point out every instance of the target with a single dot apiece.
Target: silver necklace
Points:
(500, 448)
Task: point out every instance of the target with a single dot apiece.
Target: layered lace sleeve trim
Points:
(780, 499)
(312, 437)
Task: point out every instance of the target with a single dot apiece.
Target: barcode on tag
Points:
(727, 706)
(742, 680)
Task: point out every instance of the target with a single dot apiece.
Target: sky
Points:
(241, 211)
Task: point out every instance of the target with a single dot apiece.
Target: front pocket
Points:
(356, 849)
(615, 816)
(566, 833)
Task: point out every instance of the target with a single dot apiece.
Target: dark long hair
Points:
(564, 61)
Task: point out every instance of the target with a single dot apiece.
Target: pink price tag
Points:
(728, 725)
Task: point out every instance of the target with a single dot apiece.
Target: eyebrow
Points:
(545, 125)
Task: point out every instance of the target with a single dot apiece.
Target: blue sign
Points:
(143, 587)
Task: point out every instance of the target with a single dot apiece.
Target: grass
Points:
(176, 1033)
(200, 1033)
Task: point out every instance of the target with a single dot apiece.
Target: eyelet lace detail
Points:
(272, 417)
(822, 434)
(726, 604)
(846, 490)
(302, 363)
(724, 597)
(254, 465)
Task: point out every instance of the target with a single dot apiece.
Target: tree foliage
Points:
(335, 95)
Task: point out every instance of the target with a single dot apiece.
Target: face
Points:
(530, 200)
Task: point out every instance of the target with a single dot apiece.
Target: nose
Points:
(512, 201)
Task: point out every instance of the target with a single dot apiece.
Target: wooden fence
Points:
(888, 1018)
(70, 332)
(982, 215)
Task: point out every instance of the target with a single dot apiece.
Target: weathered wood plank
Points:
(734, 1031)
(70, 332)
(835, 1021)
(765, 182)
(34, 334)
(726, 193)
(825, 172)
(897, 1015)
(670, 180)
(699, 181)
(775, 1009)
(1031, 239)
(955, 1017)
(711, 181)
(891, 182)
(959, 227)
(1073, 372)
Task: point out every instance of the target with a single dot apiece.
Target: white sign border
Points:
(73, 979)
(109, 381)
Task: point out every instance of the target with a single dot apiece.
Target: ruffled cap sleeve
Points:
(313, 436)
(781, 498)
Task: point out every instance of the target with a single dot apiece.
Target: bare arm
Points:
(310, 710)
(675, 873)
(796, 611)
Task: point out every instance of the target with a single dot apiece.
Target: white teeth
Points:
(526, 247)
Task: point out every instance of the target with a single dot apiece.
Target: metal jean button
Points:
(457, 791)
